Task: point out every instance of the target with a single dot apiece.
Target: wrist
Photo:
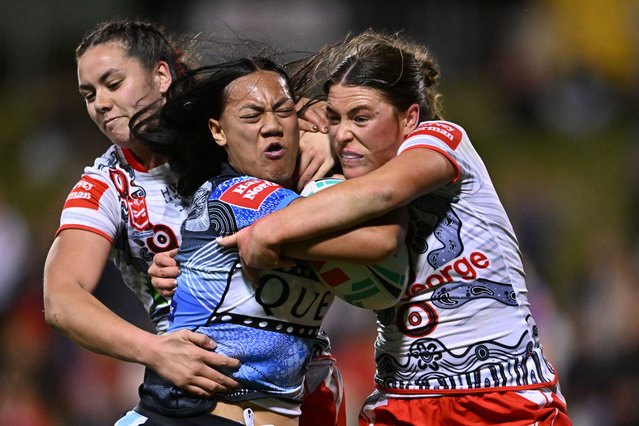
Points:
(146, 348)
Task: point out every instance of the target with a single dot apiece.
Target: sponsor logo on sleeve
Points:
(447, 133)
(249, 194)
(86, 194)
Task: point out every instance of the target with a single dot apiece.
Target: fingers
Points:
(308, 126)
(315, 112)
(208, 386)
(202, 340)
(165, 286)
(229, 241)
(316, 169)
(216, 360)
(166, 258)
(164, 266)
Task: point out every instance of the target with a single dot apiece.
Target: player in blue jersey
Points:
(236, 122)
(125, 208)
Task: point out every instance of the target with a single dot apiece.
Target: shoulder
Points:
(440, 131)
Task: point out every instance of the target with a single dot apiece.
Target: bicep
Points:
(76, 258)
(410, 175)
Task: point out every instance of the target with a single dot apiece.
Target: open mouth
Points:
(350, 156)
(274, 151)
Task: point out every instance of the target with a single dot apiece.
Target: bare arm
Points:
(72, 271)
(380, 237)
(395, 184)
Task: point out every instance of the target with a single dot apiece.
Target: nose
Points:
(271, 124)
(342, 134)
(102, 101)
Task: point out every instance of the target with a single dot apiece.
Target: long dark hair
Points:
(142, 40)
(403, 71)
(179, 130)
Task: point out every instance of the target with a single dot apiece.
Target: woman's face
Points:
(116, 86)
(259, 128)
(364, 128)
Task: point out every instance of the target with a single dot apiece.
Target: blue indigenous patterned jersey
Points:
(270, 326)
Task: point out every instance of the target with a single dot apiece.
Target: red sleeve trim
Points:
(84, 228)
(445, 154)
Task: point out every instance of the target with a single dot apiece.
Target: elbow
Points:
(52, 313)
(386, 248)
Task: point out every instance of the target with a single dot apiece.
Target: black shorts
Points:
(155, 419)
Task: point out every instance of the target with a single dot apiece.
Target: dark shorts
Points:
(155, 419)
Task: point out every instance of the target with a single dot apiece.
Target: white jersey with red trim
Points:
(137, 210)
(465, 324)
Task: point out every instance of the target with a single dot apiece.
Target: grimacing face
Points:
(365, 129)
(259, 128)
(115, 86)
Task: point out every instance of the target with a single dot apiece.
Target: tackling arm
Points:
(408, 176)
(72, 309)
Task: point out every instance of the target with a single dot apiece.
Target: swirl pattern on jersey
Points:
(429, 365)
(455, 294)
(270, 326)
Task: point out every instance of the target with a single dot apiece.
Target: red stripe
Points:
(447, 133)
(86, 194)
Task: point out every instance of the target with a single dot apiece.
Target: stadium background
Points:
(547, 89)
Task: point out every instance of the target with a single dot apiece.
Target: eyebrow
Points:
(350, 111)
(102, 79)
(261, 108)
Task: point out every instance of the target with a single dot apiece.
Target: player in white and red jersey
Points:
(136, 210)
(125, 208)
(462, 347)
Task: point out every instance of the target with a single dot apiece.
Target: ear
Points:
(216, 131)
(410, 119)
(163, 76)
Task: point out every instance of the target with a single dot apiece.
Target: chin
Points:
(356, 172)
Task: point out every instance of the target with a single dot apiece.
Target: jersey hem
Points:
(433, 392)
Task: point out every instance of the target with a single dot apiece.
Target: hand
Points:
(316, 158)
(185, 358)
(254, 252)
(163, 271)
(312, 115)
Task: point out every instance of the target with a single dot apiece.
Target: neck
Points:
(147, 158)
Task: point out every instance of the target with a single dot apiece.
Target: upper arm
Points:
(76, 258)
(408, 176)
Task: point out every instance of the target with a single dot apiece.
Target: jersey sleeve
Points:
(440, 136)
(92, 205)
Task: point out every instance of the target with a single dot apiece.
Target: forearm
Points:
(354, 201)
(333, 209)
(373, 242)
(72, 271)
(84, 319)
